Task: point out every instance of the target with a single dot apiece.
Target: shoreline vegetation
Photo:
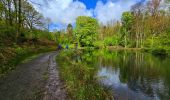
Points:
(79, 78)
(155, 51)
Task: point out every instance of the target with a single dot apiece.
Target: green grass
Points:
(79, 78)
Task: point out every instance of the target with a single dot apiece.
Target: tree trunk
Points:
(16, 11)
(9, 12)
(20, 14)
(19, 20)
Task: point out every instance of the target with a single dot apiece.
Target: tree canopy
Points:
(86, 30)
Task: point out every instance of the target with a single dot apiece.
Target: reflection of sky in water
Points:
(110, 78)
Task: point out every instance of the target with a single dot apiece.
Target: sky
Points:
(63, 12)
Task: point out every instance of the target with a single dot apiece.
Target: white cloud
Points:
(112, 10)
(63, 11)
(66, 11)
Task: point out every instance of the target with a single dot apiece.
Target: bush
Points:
(110, 41)
(7, 35)
(99, 44)
(159, 51)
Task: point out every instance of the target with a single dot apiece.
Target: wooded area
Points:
(20, 22)
(146, 26)
(23, 32)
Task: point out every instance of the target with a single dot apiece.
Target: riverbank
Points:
(79, 76)
(111, 74)
(158, 51)
(161, 51)
(10, 57)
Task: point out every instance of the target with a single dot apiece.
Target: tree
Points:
(1, 10)
(138, 24)
(157, 20)
(70, 33)
(127, 21)
(86, 30)
(69, 29)
(32, 18)
(48, 22)
(19, 18)
(19, 14)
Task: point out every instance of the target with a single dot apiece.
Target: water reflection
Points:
(121, 90)
(135, 75)
(131, 75)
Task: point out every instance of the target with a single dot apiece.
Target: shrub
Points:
(110, 41)
(7, 35)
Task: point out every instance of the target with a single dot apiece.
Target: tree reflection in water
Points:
(131, 75)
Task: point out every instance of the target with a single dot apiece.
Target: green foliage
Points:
(11, 57)
(7, 35)
(20, 23)
(70, 34)
(158, 45)
(159, 51)
(99, 44)
(78, 73)
(44, 35)
(111, 41)
(127, 21)
(86, 30)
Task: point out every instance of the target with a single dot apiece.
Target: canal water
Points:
(131, 75)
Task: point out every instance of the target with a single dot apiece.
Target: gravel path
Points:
(35, 80)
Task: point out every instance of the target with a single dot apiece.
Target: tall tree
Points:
(127, 21)
(69, 29)
(70, 33)
(86, 30)
(31, 17)
(48, 22)
(19, 13)
(138, 25)
(16, 10)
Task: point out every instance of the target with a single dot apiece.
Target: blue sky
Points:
(91, 4)
(63, 12)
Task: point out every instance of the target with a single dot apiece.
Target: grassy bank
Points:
(10, 57)
(79, 77)
(158, 51)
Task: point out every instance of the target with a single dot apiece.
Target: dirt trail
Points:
(29, 81)
(55, 88)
